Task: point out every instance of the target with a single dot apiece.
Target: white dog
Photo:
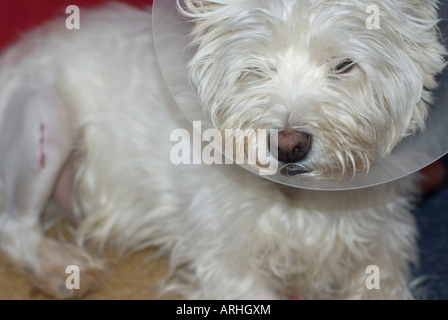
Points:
(86, 121)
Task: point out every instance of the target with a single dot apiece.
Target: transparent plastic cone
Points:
(171, 31)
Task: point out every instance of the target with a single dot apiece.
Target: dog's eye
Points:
(255, 70)
(345, 66)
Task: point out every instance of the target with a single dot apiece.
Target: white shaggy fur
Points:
(86, 113)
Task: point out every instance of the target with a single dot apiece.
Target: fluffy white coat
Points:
(86, 112)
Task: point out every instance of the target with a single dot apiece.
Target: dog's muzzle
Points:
(293, 147)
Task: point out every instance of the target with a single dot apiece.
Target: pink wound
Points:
(41, 146)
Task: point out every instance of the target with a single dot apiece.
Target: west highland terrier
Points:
(86, 119)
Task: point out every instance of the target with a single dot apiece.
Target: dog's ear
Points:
(199, 7)
(410, 26)
(206, 15)
(420, 32)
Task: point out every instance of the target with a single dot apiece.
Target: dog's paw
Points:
(65, 272)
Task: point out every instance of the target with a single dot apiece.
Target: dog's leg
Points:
(35, 142)
(219, 280)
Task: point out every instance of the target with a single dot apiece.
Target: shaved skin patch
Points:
(63, 188)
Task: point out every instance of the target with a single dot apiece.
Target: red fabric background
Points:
(18, 16)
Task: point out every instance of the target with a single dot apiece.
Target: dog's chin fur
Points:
(228, 233)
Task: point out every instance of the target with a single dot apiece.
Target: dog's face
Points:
(343, 81)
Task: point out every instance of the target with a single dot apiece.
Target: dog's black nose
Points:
(293, 146)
